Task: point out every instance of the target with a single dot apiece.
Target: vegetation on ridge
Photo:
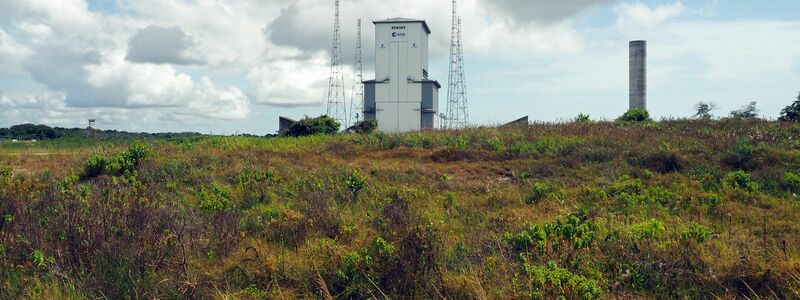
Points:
(671, 209)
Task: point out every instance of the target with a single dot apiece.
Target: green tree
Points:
(314, 126)
(748, 111)
(792, 112)
(704, 110)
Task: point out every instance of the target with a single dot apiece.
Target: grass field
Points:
(671, 209)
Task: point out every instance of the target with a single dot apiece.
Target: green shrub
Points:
(539, 192)
(581, 118)
(6, 171)
(551, 280)
(742, 155)
(121, 164)
(258, 218)
(321, 125)
(355, 183)
(573, 231)
(635, 115)
(215, 199)
(712, 200)
(740, 180)
(653, 229)
(696, 232)
(791, 182)
(449, 199)
(363, 127)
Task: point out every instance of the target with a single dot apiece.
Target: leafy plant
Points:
(635, 115)
(791, 182)
(653, 229)
(696, 232)
(740, 180)
(215, 199)
(712, 200)
(355, 183)
(121, 164)
(538, 192)
(552, 280)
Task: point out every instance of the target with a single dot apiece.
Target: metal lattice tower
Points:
(457, 114)
(337, 108)
(357, 96)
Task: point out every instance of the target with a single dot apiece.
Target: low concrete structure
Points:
(518, 122)
(284, 123)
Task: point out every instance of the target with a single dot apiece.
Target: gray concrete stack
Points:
(638, 74)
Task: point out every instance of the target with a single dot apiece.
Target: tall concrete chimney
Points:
(638, 74)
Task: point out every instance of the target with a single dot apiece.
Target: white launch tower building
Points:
(401, 98)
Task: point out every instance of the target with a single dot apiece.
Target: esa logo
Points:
(398, 34)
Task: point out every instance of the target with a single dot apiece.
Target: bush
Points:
(581, 118)
(696, 232)
(215, 199)
(712, 200)
(653, 229)
(791, 182)
(121, 164)
(635, 115)
(792, 112)
(740, 180)
(313, 126)
(539, 191)
(552, 280)
(743, 154)
(363, 127)
(6, 171)
(355, 183)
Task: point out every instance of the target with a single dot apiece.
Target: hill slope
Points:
(670, 209)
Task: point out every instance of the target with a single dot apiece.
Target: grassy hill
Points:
(674, 209)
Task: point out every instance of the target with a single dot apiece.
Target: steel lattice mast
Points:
(337, 107)
(357, 95)
(457, 114)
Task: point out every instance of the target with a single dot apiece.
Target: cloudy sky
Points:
(234, 66)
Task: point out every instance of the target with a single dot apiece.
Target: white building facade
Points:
(401, 98)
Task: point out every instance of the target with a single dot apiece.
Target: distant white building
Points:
(401, 98)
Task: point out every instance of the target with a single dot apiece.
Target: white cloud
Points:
(162, 45)
(211, 102)
(542, 11)
(142, 84)
(641, 15)
(288, 82)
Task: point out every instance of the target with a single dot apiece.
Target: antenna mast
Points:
(457, 114)
(337, 108)
(357, 98)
